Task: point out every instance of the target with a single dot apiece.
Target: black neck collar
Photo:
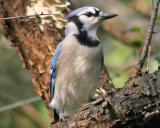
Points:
(84, 39)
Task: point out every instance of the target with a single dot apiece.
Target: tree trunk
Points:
(35, 39)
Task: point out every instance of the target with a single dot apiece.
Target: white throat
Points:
(92, 33)
(71, 29)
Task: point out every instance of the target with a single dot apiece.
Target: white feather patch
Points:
(81, 64)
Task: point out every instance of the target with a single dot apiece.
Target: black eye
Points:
(89, 14)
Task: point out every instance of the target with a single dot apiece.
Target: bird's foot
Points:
(63, 117)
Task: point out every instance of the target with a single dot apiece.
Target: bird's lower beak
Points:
(107, 15)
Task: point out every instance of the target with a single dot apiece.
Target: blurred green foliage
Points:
(13, 78)
(136, 29)
(137, 42)
(117, 55)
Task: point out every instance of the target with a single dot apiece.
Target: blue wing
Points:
(53, 68)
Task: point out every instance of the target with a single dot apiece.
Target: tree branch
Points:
(136, 105)
(19, 103)
(148, 38)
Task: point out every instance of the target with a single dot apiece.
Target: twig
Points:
(109, 77)
(148, 58)
(20, 103)
(28, 16)
(148, 37)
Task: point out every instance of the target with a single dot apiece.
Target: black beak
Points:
(107, 15)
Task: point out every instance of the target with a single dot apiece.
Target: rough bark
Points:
(136, 105)
(35, 39)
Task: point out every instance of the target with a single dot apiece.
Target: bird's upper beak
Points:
(107, 15)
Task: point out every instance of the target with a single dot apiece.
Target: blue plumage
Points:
(77, 11)
(53, 68)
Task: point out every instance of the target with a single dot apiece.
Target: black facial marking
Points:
(96, 12)
(84, 39)
(89, 14)
(77, 22)
(83, 36)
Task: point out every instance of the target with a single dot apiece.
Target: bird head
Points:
(88, 17)
(84, 22)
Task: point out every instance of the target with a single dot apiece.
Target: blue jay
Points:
(77, 62)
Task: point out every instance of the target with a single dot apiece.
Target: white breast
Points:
(77, 75)
(81, 64)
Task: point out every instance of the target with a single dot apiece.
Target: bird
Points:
(77, 62)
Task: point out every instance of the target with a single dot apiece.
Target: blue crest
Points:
(77, 11)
